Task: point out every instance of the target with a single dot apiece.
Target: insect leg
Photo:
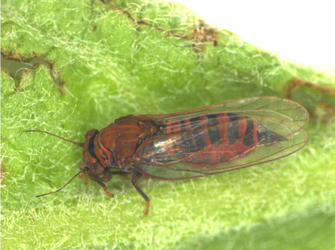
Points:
(136, 177)
(104, 187)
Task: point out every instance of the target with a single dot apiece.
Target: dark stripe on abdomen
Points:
(193, 140)
(212, 120)
(199, 140)
(187, 143)
(233, 127)
(249, 139)
(213, 129)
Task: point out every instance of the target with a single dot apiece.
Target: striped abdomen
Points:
(206, 139)
(216, 138)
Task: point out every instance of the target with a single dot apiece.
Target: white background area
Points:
(301, 31)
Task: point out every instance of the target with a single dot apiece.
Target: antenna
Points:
(61, 187)
(80, 144)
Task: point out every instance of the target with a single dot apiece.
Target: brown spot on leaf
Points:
(141, 22)
(203, 33)
(300, 82)
(17, 64)
(2, 172)
(317, 99)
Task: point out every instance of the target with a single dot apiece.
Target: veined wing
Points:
(222, 137)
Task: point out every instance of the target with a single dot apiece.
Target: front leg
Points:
(107, 176)
(136, 177)
(104, 187)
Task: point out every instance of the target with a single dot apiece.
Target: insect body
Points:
(195, 143)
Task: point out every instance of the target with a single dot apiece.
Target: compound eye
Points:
(96, 169)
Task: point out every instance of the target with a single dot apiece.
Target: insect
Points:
(211, 140)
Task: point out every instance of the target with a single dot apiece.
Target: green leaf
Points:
(86, 63)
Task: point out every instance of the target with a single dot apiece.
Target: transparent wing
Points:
(272, 106)
(222, 137)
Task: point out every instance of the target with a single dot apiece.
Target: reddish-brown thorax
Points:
(117, 142)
